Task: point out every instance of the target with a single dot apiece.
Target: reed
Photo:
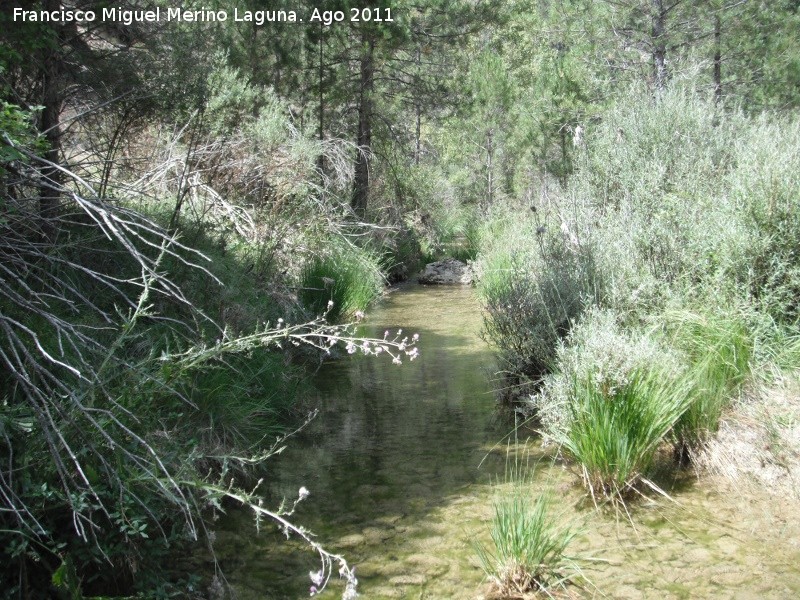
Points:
(719, 348)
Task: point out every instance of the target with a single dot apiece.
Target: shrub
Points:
(765, 187)
(600, 349)
(528, 546)
(646, 222)
(644, 150)
(533, 293)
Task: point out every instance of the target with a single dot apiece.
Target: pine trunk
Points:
(659, 45)
(49, 193)
(364, 139)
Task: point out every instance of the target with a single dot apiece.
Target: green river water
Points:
(402, 464)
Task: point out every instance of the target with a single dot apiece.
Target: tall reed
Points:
(346, 275)
(719, 348)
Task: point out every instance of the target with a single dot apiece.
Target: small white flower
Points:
(316, 577)
(303, 493)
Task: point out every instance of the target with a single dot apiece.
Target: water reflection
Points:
(390, 445)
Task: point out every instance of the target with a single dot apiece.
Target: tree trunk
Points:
(717, 59)
(321, 114)
(364, 140)
(49, 194)
(659, 45)
(418, 112)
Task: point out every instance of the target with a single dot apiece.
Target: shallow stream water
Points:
(402, 464)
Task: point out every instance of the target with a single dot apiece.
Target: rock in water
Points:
(448, 271)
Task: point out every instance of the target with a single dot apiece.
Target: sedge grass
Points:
(614, 433)
(528, 550)
(719, 348)
(348, 276)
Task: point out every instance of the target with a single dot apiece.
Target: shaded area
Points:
(391, 446)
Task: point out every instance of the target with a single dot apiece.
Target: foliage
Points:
(193, 178)
(16, 127)
(126, 397)
(718, 347)
(600, 349)
(650, 220)
(535, 284)
(342, 274)
(765, 186)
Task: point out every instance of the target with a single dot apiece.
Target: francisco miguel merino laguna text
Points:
(127, 17)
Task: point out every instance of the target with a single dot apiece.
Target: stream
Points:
(402, 464)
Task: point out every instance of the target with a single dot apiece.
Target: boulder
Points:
(448, 271)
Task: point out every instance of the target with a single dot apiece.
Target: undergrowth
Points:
(631, 306)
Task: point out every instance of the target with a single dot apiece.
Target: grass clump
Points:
(718, 348)
(613, 433)
(528, 549)
(344, 274)
(241, 400)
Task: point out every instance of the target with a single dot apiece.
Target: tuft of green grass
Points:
(242, 400)
(528, 550)
(348, 276)
(719, 348)
(613, 433)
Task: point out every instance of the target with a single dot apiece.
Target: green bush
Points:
(613, 433)
(601, 349)
(765, 187)
(645, 149)
(534, 288)
(651, 219)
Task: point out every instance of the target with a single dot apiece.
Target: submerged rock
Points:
(448, 271)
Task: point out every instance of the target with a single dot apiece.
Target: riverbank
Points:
(758, 443)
